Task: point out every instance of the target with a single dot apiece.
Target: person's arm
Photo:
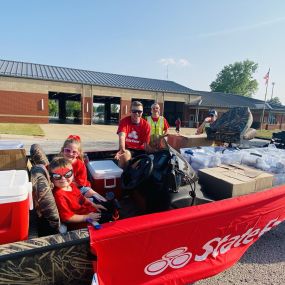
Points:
(146, 139)
(122, 142)
(200, 129)
(166, 127)
(83, 218)
(99, 207)
(122, 145)
(68, 216)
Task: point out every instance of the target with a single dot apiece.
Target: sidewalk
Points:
(95, 137)
(92, 133)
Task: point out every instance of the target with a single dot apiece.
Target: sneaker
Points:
(37, 155)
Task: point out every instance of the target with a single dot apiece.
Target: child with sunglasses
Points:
(72, 151)
(74, 209)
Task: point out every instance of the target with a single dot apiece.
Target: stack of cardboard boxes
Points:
(228, 181)
(177, 141)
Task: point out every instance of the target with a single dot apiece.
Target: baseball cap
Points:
(213, 113)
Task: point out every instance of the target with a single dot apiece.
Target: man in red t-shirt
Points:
(134, 135)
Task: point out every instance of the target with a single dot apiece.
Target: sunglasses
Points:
(70, 151)
(57, 176)
(137, 111)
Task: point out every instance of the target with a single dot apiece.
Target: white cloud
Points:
(183, 62)
(169, 61)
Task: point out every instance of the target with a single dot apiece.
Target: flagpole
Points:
(262, 118)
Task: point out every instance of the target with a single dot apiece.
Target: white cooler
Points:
(15, 201)
(106, 177)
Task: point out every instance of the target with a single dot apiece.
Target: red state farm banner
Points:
(185, 245)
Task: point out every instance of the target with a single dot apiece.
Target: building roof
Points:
(64, 74)
(227, 100)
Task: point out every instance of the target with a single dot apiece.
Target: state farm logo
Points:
(179, 257)
(176, 258)
(133, 135)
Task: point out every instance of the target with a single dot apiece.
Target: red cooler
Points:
(106, 177)
(15, 201)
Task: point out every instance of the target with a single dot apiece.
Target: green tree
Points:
(52, 108)
(115, 108)
(100, 108)
(237, 78)
(275, 101)
(73, 108)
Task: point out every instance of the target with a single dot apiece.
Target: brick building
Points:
(273, 115)
(27, 88)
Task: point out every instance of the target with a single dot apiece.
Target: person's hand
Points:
(208, 119)
(199, 131)
(149, 148)
(99, 207)
(93, 216)
(120, 153)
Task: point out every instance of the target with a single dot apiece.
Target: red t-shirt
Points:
(136, 134)
(165, 123)
(70, 203)
(80, 173)
(177, 123)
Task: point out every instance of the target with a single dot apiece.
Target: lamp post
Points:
(197, 113)
(269, 120)
(167, 71)
(273, 83)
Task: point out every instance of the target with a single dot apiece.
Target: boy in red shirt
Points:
(134, 135)
(74, 209)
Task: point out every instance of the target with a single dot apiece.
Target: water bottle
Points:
(95, 224)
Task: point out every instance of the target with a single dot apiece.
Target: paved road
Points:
(262, 264)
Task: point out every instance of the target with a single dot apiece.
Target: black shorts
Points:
(136, 152)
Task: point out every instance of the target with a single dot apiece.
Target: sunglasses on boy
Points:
(57, 176)
(70, 151)
(137, 112)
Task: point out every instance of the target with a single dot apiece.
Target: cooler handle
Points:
(30, 194)
(110, 186)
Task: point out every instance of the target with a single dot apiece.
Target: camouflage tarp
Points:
(231, 126)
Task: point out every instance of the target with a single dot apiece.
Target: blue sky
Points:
(195, 39)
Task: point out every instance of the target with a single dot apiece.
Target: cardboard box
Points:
(228, 181)
(177, 141)
(13, 159)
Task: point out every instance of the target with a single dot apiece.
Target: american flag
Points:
(266, 77)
